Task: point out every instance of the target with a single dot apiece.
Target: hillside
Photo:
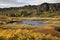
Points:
(43, 10)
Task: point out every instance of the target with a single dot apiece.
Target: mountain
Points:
(43, 10)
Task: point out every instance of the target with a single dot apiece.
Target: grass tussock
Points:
(30, 33)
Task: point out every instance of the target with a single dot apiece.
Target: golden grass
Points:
(52, 22)
(27, 32)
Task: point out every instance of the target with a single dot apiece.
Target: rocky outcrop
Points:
(49, 7)
(43, 7)
(43, 10)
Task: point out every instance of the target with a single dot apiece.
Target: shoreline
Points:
(32, 18)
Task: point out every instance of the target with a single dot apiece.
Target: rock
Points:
(49, 7)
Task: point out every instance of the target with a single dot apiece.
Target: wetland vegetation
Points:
(37, 22)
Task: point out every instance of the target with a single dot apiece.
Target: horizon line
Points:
(25, 5)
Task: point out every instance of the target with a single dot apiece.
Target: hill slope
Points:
(43, 10)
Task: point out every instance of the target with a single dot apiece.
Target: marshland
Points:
(37, 22)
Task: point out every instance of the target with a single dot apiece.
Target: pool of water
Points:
(34, 23)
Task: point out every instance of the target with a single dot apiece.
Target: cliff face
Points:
(49, 7)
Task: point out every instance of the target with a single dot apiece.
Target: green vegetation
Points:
(30, 13)
(44, 10)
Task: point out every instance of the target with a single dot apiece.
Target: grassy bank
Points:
(27, 32)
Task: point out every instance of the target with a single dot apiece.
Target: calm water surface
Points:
(34, 23)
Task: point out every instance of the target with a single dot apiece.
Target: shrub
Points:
(57, 29)
(15, 37)
(2, 38)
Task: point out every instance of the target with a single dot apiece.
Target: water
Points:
(34, 23)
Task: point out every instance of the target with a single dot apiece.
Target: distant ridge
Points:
(45, 9)
(43, 6)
